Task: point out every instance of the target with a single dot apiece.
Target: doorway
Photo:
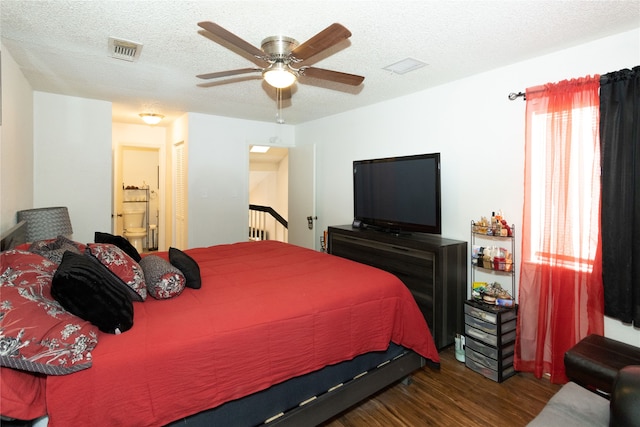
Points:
(296, 189)
(139, 184)
(268, 187)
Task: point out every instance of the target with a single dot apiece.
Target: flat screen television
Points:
(398, 194)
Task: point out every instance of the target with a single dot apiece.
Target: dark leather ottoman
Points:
(595, 361)
(625, 399)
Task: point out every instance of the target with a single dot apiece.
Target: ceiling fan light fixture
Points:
(151, 118)
(279, 75)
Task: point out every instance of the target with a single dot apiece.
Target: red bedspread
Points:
(267, 311)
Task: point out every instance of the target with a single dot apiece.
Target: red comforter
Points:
(267, 311)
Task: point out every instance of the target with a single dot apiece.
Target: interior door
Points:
(302, 196)
(179, 197)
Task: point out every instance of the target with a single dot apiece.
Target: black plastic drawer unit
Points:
(490, 333)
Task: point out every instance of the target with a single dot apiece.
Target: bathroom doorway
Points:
(139, 184)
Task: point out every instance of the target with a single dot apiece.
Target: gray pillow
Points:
(163, 280)
(53, 249)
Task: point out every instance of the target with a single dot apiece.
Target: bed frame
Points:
(324, 406)
(14, 236)
(331, 404)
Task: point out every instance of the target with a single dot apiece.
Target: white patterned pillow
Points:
(163, 279)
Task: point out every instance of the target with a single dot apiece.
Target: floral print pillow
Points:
(36, 333)
(123, 266)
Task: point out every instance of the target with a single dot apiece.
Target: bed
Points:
(276, 333)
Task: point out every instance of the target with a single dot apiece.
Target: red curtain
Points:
(560, 293)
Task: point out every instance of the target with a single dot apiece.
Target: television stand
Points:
(391, 231)
(432, 267)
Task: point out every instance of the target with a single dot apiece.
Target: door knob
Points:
(310, 221)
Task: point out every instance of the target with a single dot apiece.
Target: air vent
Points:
(404, 66)
(124, 49)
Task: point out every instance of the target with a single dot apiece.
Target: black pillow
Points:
(188, 266)
(120, 242)
(87, 289)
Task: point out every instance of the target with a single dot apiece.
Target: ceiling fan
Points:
(280, 58)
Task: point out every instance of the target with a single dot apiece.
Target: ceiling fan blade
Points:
(334, 76)
(228, 73)
(326, 38)
(231, 38)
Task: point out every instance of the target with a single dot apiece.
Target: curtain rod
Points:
(513, 96)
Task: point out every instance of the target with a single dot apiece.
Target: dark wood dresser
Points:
(432, 267)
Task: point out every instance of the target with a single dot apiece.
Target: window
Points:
(560, 203)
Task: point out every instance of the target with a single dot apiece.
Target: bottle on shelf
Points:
(496, 225)
(492, 224)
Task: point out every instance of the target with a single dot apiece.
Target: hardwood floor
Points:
(452, 396)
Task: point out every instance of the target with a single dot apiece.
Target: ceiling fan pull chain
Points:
(279, 117)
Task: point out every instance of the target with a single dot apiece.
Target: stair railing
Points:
(267, 224)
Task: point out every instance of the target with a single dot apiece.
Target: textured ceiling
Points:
(61, 47)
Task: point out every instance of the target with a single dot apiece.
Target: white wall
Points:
(263, 181)
(218, 153)
(16, 142)
(479, 132)
(140, 168)
(72, 160)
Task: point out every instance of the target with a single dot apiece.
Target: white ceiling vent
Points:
(404, 66)
(124, 49)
